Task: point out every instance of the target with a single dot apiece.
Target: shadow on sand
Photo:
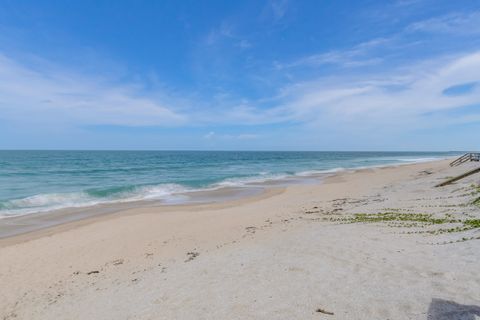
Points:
(447, 310)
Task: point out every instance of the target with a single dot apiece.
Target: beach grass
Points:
(476, 202)
(398, 219)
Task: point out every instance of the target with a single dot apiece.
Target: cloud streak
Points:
(357, 56)
(458, 24)
(396, 98)
(51, 93)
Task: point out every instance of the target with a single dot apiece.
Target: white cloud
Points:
(377, 51)
(398, 97)
(42, 91)
(395, 97)
(225, 34)
(242, 136)
(458, 23)
(359, 55)
(209, 135)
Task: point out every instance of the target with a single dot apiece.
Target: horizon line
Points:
(230, 150)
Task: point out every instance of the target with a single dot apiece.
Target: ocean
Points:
(40, 181)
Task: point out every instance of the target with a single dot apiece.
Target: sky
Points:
(240, 75)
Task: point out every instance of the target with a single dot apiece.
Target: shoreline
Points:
(105, 217)
(36, 222)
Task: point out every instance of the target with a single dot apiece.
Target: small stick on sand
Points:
(324, 311)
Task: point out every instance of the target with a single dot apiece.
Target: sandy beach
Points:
(378, 243)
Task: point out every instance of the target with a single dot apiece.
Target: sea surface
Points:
(39, 181)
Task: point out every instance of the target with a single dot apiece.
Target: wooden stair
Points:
(471, 156)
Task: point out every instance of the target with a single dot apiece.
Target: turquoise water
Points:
(37, 181)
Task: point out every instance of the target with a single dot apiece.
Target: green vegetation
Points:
(473, 223)
(397, 219)
(476, 202)
(475, 189)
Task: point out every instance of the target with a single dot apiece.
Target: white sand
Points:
(277, 256)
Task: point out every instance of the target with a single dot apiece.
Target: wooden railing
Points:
(472, 156)
(463, 175)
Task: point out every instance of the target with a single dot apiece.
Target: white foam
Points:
(155, 192)
(418, 159)
(55, 201)
(246, 181)
(317, 172)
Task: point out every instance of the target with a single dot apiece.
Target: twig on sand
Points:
(93, 272)
(320, 310)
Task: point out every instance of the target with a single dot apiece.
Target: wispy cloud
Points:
(380, 100)
(49, 92)
(395, 97)
(57, 95)
(279, 8)
(357, 56)
(457, 23)
(242, 136)
(224, 30)
(275, 11)
(402, 3)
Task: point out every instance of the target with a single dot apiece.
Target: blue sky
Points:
(249, 75)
